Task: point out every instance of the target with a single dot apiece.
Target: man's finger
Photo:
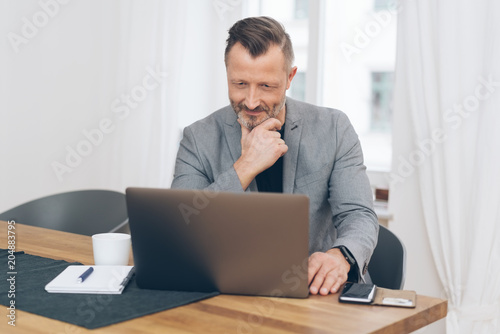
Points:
(316, 283)
(271, 124)
(284, 149)
(313, 268)
(322, 274)
(336, 286)
(328, 284)
(275, 134)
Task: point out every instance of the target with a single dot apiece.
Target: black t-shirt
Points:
(271, 180)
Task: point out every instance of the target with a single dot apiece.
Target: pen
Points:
(85, 274)
(129, 276)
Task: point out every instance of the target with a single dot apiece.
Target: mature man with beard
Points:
(266, 142)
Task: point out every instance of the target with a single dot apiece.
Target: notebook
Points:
(103, 280)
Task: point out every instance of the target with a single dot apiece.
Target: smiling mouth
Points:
(253, 112)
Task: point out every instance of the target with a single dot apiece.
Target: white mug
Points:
(111, 249)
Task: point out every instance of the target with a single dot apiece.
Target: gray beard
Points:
(252, 123)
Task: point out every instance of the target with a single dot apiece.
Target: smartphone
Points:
(357, 293)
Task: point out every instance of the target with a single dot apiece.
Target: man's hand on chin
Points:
(260, 149)
(327, 272)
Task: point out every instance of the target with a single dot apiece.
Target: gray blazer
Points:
(324, 161)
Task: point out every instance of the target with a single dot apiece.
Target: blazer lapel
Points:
(293, 132)
(232, 131)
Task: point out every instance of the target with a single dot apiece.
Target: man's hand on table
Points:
(327, 272)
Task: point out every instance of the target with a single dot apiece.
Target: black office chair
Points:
(84, 212)
(387, 266)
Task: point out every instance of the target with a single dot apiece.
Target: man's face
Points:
(257, 86)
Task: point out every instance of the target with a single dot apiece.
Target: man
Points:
(266, 142)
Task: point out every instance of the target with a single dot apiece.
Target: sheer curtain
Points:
(95, 94)
(448, 83)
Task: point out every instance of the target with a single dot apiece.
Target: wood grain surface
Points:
(221, 314)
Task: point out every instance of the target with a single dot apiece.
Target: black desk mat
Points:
(87, 310)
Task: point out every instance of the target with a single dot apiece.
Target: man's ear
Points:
(292, 73)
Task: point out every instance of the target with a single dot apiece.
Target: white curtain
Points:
(94, 94)
(448, 81)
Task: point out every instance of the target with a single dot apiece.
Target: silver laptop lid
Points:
(236, 243)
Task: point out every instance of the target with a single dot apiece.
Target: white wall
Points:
(75, 60)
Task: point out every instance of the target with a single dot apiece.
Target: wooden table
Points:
(223, 313)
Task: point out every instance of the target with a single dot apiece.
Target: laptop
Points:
(235, 243)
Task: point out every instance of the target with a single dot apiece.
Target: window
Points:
(381, 109)
(352, 59)
(298, 88)
(381, 4)
(301, 9)
(293, 14)
(359, 60)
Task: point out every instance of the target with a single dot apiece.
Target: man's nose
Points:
(252, 99)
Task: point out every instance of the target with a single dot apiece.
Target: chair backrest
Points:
(387, 266)
(84, 212)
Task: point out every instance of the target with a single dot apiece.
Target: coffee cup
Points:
(111, 249)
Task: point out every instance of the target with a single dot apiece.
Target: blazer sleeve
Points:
(351, 197)
(192, 173)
